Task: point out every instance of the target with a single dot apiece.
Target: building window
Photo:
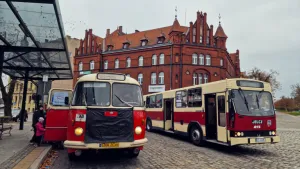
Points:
(161, 78)
(80, 65)
(201, 39)
(128, 62)
(92, 65)
(161, 59)
(140, 78)
(194, 35)
(194, 79)
(141, 61)
(109, 47)
(125, 45)
(117, 63)
(208, 60)
(195, 58)
(105, 64)
(154, 60)
(144, 43)
(201, 59)
(153, 78)
(221, 62)
(128, 75)
(93, 46)
(200, 77)
(205, 78)
(161, 40)
(207, 40)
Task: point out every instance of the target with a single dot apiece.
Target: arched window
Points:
(117, 63)
(80, 65)
(195, 59)
(194, 79)
(201, 59)
(153, 78)
(205, 78)
(161, 59)
(92, 65)
(154, 60)
(141, 61)
(200, 77)
(161, 78)
(140, 78)
(221, 62)
(208, 60)
(128, 62)
(105, 64)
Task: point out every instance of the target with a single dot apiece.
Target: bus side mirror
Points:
(66, 100)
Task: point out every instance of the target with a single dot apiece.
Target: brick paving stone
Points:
(169, 152)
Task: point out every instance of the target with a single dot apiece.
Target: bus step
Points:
(217, 142)
(168, 131)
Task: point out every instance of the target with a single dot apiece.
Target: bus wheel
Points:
(134, 152)
(148, 125)
(196, 136)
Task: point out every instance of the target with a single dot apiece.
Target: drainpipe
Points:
(181, 71)
(171, 67)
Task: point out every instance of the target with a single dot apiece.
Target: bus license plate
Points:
(260, 140)
(109, 145)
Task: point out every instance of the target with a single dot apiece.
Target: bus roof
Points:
(223, 84)
(93, 77)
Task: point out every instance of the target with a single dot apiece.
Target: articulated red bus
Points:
(106, 112)
(230, 112)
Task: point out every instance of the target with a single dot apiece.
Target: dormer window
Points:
(160, 39)
(109, 47)
(144, 42)
(125, 45)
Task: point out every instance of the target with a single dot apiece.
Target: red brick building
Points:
(162, 58)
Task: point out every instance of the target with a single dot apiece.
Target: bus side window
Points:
(147, 102)
(181, 99)
(195, 97)
(158, 100)
(221, 111)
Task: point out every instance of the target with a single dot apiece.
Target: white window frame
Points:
(154, 59)
(140, 78)
(92, 65)
(128, 62)
(153, 78)
(106, 64)
(117, 62)
(208, 60)
(161, 78)
(162, 59)
(80, 66)
(200, 78)
(194, 59)
(205, 78)
(194, 78)
(201, 59)
(141, 61)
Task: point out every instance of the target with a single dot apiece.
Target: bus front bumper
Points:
(253, 140)
(82, 145)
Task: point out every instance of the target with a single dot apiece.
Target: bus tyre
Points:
(196, 136)
(148, 125)
(134, 152)
(72, 156)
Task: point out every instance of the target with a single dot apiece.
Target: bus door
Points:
(221, 117)
(168, 114)
(57, 115)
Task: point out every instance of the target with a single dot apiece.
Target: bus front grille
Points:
(103, 128)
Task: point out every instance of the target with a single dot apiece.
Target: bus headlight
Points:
(138, 130)
(78, 131)
(273, 133)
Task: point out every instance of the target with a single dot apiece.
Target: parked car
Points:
(16, 115)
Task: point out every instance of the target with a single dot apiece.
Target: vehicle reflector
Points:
(111, 113)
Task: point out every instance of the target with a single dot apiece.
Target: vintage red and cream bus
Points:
(229, 112)
(106, 111)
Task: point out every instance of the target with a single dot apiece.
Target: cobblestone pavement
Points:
(170, 152)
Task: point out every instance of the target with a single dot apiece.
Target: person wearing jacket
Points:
(40, 131)
(35, 118)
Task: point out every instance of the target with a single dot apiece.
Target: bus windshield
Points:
(253, 103)
(92, 94)
(127, 95)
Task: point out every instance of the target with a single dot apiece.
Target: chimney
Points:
(107, 32)
(136, 31)
(120, 29)
(191, 32)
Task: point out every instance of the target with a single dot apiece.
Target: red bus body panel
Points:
(56, 125)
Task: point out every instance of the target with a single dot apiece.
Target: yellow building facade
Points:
(18, 96)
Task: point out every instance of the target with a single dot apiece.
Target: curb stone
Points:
(37, 163)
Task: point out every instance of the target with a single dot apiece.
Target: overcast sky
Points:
(267, 32)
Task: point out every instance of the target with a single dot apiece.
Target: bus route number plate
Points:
(260, 140)
(108, 145)
(80, 117)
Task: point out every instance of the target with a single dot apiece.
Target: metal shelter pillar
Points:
(24, 100)
(1, 59)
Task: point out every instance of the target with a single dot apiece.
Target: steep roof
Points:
(220, 32)
(135, 38)
(176, 26)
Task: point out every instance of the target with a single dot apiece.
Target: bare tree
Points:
(296, 94)
(7, 95)
(270, 77)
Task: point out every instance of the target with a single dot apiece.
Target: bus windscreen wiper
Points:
(257, 101)
(246, 102)
(123, 101)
